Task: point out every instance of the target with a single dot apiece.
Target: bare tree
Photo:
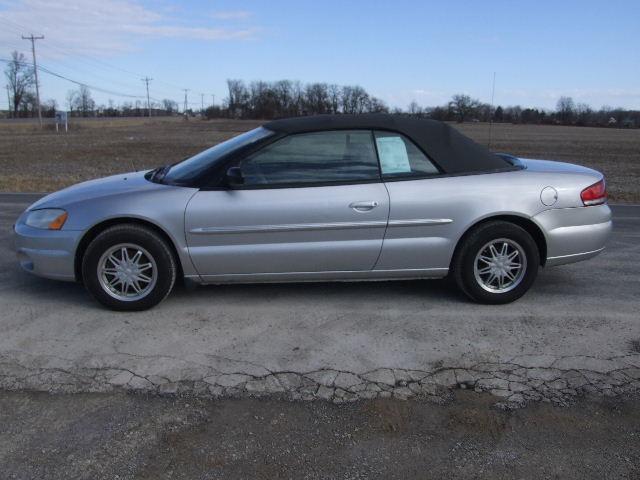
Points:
(463, 106)
(414, 109)
(317, 98)
(238, 97)
(263, 100)
(80, 100)
(583, 113)
(20, 79)
(169, 106)
(513, 113)
(49, 108)
(565, 108)
(28, 104)
(377, 106)
(334, 97)
(283, 91)
(355, 99)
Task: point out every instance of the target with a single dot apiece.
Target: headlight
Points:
(46, 218)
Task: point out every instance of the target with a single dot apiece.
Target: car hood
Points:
(101, 187)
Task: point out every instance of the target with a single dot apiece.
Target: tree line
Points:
(287, 98)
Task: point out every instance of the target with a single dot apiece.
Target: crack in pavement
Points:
(522, 379)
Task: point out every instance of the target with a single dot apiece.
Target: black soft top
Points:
(452, 151)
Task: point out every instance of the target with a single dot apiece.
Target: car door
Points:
(421, 230)
(310, 203)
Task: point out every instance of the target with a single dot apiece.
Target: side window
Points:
(321, 157)
(399, 157)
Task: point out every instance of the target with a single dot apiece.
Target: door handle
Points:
(363, 206)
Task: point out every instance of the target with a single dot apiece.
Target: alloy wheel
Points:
(127, 272)
(500, 265)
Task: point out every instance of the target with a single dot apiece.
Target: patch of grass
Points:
(43, 160)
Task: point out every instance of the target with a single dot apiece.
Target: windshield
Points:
(190, 168)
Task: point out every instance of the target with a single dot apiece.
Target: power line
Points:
(84, 58)
(93, 74)
(35, 71)
(88, 60)
(91, 87)
(85, 70)
(71, 52)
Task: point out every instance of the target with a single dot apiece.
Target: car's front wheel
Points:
(129, 267)
(497, 262)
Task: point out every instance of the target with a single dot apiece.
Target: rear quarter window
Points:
(399, 157)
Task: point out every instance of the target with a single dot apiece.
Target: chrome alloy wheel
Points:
(127, 272)
(500, 265)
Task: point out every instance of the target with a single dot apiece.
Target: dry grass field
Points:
(36, 161)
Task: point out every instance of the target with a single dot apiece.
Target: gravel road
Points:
(576, 332)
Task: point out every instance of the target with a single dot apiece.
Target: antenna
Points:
(493, 92)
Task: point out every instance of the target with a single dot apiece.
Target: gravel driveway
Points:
(576, 332)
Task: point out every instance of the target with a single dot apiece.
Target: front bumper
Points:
(47, 253)
(575, 234)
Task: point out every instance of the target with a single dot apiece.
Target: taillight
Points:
(595, 194)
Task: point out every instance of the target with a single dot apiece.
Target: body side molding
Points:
(316, 226)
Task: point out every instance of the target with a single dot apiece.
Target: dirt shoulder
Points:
(96, 436)
(34, 160)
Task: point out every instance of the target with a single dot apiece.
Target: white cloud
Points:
(191, 32)
(102, 27)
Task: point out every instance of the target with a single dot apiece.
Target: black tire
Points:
(464, 262)
(147, 241)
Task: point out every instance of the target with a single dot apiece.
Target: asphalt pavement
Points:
(575, 334)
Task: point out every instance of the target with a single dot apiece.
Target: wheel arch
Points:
(527, 224)
(100, 227)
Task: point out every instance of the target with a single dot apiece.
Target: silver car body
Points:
(385, 230)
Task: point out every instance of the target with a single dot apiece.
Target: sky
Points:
(400, 51)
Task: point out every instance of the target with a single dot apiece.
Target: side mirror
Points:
(234, 177)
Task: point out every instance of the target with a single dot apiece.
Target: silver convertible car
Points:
(330, 197)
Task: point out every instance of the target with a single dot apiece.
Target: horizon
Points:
(413, 52)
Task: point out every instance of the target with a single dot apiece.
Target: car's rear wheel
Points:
(129, 267)
(497, 262)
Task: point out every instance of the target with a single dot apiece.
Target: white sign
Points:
(393, 155)
(61, 119)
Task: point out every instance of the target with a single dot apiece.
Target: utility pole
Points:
(186, 104)
(35, 70)
(213, 100)
(9, 109)
(146, 80)
(202, 102)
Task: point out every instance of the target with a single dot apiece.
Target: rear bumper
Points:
(47, 253)
(575, 234)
